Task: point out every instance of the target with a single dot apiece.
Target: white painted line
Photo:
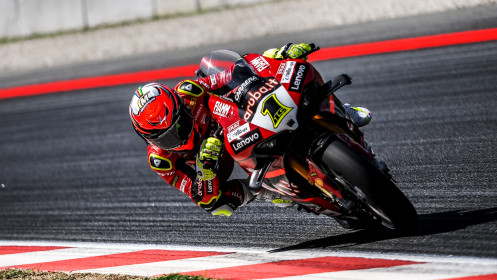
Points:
(426, 271)
(196, 264)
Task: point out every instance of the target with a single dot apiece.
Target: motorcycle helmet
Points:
(159, 116)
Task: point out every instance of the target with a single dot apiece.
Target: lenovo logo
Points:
(297, 82)
(241, 144)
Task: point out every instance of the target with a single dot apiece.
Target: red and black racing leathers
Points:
(176, 167)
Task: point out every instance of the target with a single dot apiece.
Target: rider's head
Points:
(159, 115)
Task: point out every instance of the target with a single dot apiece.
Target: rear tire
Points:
(379, 195)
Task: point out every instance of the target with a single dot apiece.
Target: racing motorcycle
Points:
(286, 128)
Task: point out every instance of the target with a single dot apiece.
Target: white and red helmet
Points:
(159, 115)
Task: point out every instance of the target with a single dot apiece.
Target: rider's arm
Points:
(207, 194)
(171, 167)
(174, 170)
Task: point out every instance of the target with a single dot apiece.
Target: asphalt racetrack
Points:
(72, 168)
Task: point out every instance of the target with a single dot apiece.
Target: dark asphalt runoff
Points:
(72, 168)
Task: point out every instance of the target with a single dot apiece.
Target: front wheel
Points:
(377, 198)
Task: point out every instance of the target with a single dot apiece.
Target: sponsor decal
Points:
(204, 84)
(297, 79)
(318, 182)
(167, 174)
(244, 142)
(238, 132)
(175, 180)
(200, 188)
(281, 68)
(213, 79)
(183, 184)
(210, 187)
(237, 195)
(191, 102)
(256, 95)
(159, 163)
(287, 188)
(221, 109)
(288, 72)
(227, 75)
(142, 99)
(259, 63)
(244, 86)
(278, 108)
(275, 109)
(233, 126)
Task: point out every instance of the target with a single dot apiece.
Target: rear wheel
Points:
(377, 198)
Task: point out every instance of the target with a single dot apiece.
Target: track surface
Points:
(72, 169)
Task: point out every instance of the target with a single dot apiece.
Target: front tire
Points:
(376, 194)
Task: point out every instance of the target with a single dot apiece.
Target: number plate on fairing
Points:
(276, 112)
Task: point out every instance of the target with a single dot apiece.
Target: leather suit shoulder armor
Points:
(189, 87)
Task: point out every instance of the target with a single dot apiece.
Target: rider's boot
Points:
(276, 199)
(237, 196)
(360, 115)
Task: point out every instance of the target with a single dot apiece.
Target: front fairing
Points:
(260, 98)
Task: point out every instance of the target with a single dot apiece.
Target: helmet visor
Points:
(177, 134)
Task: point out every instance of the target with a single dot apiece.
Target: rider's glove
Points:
(272, 53)
(207, 158)
(297, 50)
(290, 50)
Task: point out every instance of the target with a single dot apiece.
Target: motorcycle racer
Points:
(182, 142)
